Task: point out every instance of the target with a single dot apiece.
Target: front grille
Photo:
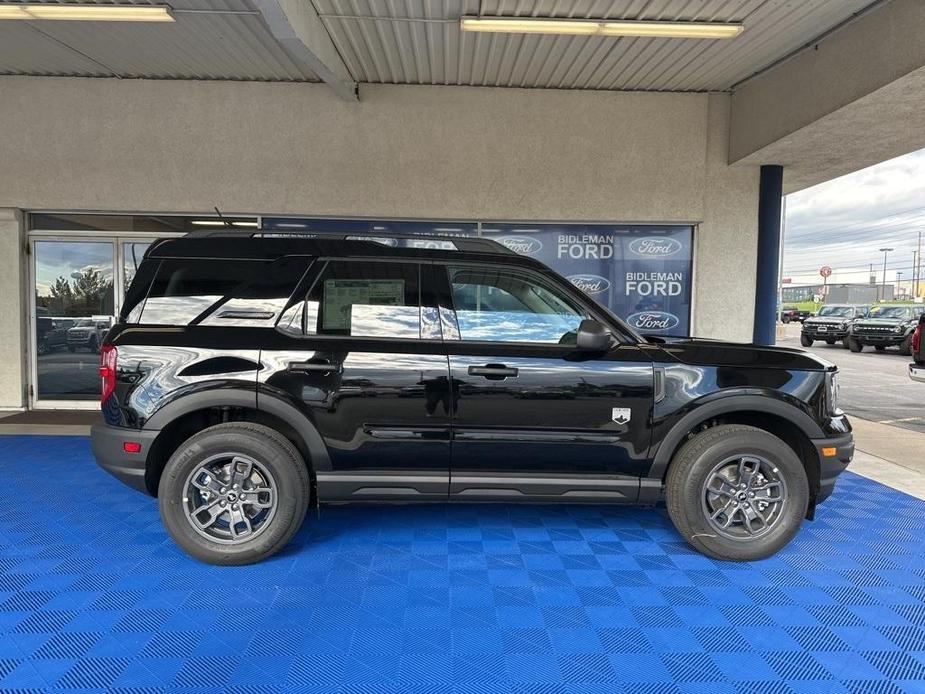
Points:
(873, 329)
(830, 326)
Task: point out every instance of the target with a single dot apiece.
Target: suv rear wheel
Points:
(737, 493)
(234, 493)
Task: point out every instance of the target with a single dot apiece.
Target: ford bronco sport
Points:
(252, 376)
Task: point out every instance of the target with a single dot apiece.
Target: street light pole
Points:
(883, 282)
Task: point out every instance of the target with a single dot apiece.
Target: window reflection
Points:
(73, 311)
(365, 300)
(508, 306)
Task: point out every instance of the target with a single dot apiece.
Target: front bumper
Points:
(840, 451)
(917, 372)
(827, 334)
(108, 443)
(886, 339)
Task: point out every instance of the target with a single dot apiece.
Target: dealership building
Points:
(647, 168)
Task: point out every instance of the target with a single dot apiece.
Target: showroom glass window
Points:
(503, 305)
(74, 299)
(363, 299)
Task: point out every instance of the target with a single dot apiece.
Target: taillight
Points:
(108, 357)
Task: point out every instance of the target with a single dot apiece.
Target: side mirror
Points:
(592, 336)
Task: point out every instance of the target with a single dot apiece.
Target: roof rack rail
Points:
(435, 241)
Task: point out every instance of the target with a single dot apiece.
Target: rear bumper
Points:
(831, 466)
(108, 443)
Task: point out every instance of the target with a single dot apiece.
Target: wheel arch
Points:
(793, 426)
(189, 414)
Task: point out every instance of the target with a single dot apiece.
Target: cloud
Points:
(843, 222)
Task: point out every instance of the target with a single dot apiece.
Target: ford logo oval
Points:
(590, 284)
(521, 244)
(651, 321)
(655, 246)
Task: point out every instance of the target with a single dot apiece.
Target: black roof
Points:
(269, 245)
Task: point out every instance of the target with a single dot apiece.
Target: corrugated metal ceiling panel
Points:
(210, 39)
(419, 42)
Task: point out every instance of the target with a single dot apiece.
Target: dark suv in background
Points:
(252, 376)
(887, 325)
(832, 324)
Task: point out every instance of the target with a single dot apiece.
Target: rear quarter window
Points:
(218, 292)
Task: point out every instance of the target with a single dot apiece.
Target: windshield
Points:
(837, 311)
(85, 323)
(891, 312)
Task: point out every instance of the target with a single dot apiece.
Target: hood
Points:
(827, 319)
(718, 353)
(884, 321)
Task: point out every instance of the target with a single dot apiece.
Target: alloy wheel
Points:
(230, 498)
(744, 497)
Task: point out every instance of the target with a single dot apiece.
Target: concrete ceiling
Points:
(419, 42)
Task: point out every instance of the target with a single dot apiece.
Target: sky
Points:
(842, 223)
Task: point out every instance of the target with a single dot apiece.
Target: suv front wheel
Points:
(234, 493)
(737, 492)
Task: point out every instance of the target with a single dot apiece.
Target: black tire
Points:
(688, 474)
(41, 348)
(854, 345)
(881, 348)
(830, 341)
(94, 345)
(806, 341)
(71, 349)
(785, 319)
(844, 343)
(905, 347)
(262, 444)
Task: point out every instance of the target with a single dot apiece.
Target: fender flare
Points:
(726, 405)
(248, 398)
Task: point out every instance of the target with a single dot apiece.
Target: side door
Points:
(534, 417)
(361, 354)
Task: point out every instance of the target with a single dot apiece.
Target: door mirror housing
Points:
(592, 336)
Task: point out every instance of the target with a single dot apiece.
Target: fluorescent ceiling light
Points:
(602, 27)
(87, 13)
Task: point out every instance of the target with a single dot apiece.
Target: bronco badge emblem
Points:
(621, 415)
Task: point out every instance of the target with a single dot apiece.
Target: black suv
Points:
(831, 324)
(888, 325)
(252, 376)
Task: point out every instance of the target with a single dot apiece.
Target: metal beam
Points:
(297, 26)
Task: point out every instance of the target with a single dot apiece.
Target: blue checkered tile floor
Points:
(502, 598)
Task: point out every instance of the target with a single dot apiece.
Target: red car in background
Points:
(917, 367)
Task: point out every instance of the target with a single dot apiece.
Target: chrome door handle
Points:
(493, 372)
(315, 366)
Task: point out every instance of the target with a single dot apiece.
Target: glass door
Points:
(78, 286)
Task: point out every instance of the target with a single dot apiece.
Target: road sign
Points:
(825, 271)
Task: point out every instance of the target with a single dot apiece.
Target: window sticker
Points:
(341, 295)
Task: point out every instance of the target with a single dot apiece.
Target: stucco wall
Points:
(12, 312)
(405, 151)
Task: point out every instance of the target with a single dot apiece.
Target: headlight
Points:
(842, 326)
(831, 392)
(898, 329)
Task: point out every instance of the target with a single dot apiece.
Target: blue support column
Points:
(770, 195)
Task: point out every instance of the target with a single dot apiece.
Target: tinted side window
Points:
(219, 292)
(364, 299)
(504, 305)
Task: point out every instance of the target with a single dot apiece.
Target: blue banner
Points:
(640, 272)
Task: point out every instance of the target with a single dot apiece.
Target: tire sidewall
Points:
(703, 460)
(273, 455)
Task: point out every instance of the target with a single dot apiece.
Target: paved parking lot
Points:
(874, 385)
